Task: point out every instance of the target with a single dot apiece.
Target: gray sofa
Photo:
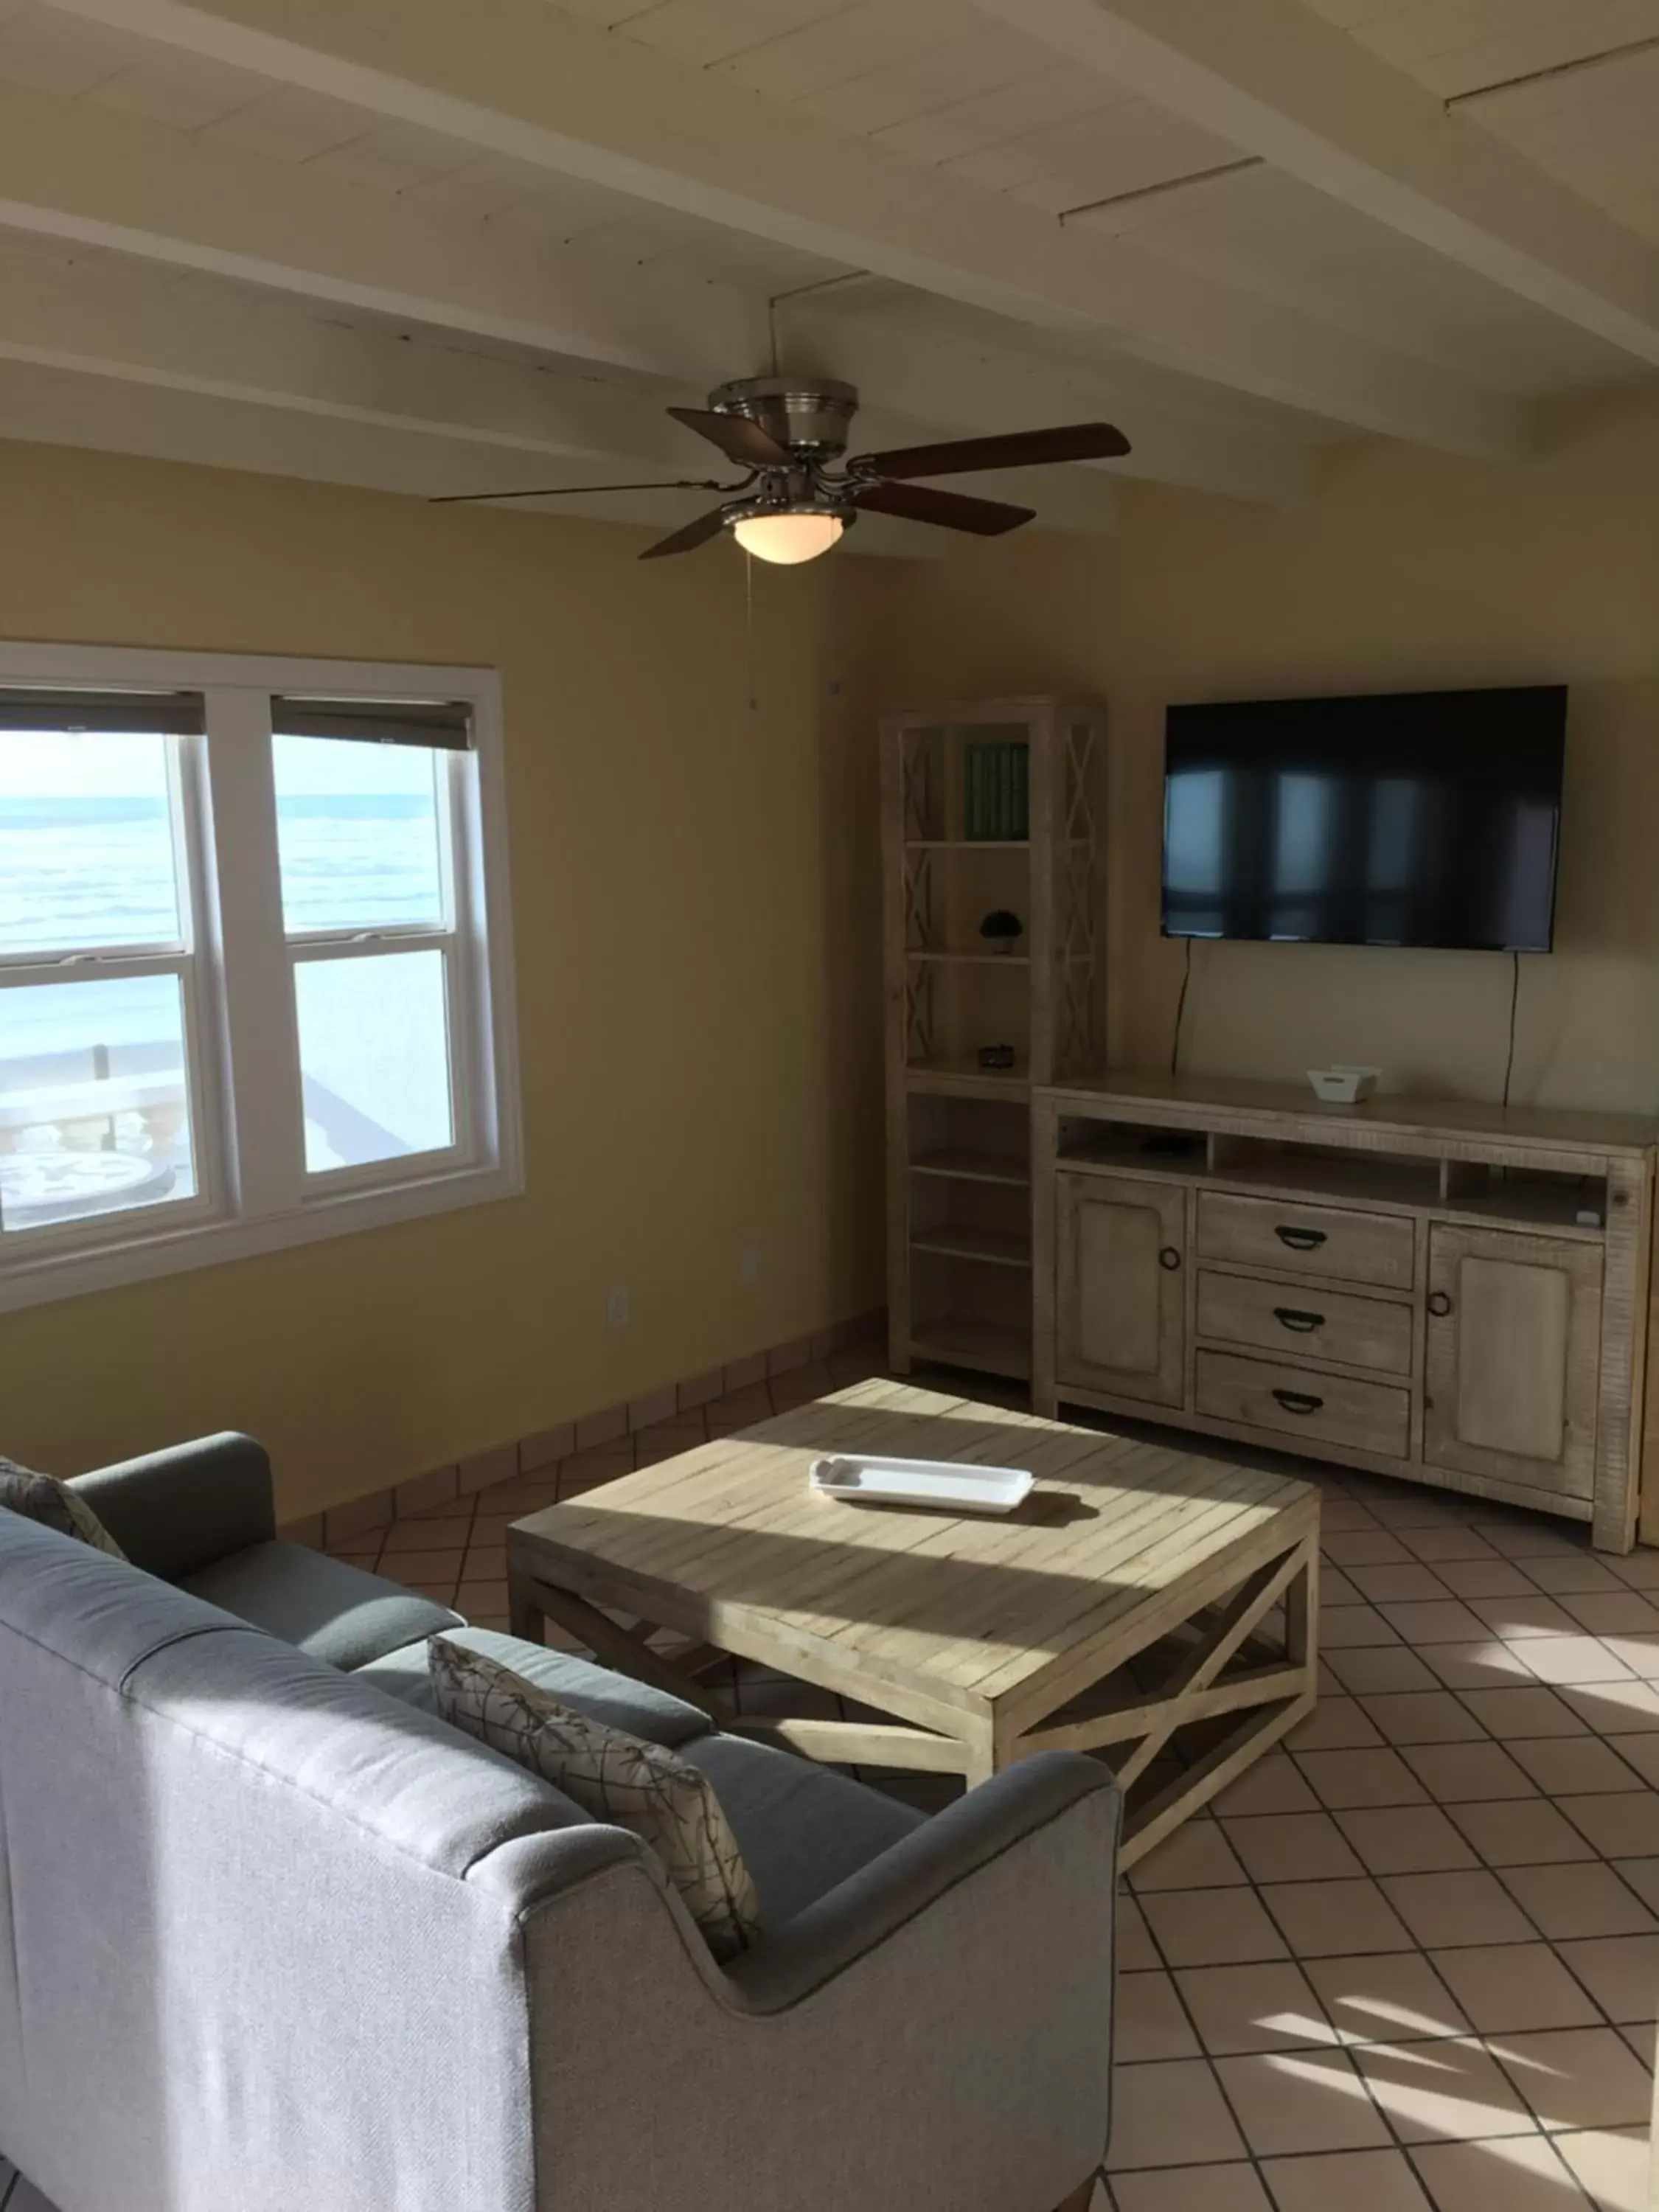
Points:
(273, 1937)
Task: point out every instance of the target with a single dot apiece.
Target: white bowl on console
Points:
(1343, 1086)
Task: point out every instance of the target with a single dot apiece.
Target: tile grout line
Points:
(1536, 1794)
(1397, 2141)
(1257, 2161)
(1485, 1866)
(1419, 1951)
(1429, 1799)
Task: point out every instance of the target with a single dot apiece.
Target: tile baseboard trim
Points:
(376, 1510)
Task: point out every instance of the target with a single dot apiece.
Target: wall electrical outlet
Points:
(749, 1264)
(616, 1313)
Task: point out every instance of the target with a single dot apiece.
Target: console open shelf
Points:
(997, 1247)
(974, 1167)
(1471, 1190)
(985, 1347)
(970, 959)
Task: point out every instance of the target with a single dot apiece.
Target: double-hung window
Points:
(254, 975)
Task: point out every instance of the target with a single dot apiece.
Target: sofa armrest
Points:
(936, 2032)
(865, 1909)
(174, 1512)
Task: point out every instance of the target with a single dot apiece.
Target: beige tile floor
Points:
(1410, 1962)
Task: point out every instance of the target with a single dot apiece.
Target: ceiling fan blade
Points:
(737, 438)
(687, 540)
(1019, 449)
(986, 518)
(575, 491)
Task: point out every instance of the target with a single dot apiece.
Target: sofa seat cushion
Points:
(802, 1828)
(332, 1610)
(615, 1701)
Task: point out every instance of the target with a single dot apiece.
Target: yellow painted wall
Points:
(697, 939)
(1406, 570)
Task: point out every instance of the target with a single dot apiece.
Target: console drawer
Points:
(1313, 1240)
(1315, 1323)
(1301, 1402)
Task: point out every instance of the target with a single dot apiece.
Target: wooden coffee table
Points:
(1143, 1597)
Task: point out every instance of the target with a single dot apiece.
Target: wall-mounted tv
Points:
(1428, 817)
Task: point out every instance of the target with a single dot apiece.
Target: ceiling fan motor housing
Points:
(812, 416)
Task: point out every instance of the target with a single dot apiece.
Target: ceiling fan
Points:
(798, 496)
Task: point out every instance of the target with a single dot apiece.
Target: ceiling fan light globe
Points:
(787, 539)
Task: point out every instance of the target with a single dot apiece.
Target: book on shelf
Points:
(996, 793)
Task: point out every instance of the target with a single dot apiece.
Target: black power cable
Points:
(1180, 1011)
(1514, 1000)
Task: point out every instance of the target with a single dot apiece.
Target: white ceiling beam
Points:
(49, 404)
(112, 318)
(1279, 82)
(117, 319)
(74, 169)
(520, 78)
(73, 172)
(42, 405)
(929, 356)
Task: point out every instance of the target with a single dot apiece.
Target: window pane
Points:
(95, 1113)
(374, 1058)
(85, 843)
(357, 826)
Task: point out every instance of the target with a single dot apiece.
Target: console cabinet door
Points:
(1121, 1301)
(1514, 1344)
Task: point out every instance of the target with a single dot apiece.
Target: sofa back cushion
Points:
(258, 1924)
(620, 1778)
(42, 1498)
(177, 1511)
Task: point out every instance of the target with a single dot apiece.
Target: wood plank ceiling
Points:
(328, 238)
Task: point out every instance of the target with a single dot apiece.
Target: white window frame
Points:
(254, 1193)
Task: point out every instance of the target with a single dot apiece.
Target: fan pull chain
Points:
(749, 627)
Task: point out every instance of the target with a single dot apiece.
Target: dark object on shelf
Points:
(1001, 927)
(996, 799)
(996, 1055)
(1175, 1145)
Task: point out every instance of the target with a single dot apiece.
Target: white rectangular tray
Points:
(948, 1485)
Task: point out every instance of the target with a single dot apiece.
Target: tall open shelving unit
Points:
(988, 806)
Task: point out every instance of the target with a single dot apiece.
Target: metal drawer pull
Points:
(1300, 1240)
(1439, 1305)
(1298, 1401)
(1168, 1259)
(1293, 1318)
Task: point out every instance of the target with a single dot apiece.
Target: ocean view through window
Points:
(361, 828)
(165, 855)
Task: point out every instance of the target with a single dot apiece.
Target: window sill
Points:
(155, 1251)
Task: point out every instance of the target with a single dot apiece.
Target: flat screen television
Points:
(1428, 817)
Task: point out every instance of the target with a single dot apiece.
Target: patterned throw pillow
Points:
(42, 1498)
(618, 1777)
